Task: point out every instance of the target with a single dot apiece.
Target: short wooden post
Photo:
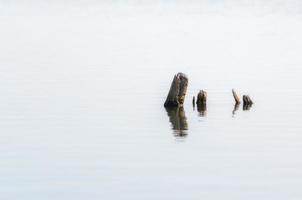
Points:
(247, 100)
(177, 92)
(193, 101)
(201, 98)
(236, 97)
(202, 102)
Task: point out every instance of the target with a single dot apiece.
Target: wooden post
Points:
(247, 100)
(202, 102)
(193, 101)
(236, 97)
(201, 98)
(177, 92)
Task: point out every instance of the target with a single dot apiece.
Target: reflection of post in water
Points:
(236, 107)
(178, 120)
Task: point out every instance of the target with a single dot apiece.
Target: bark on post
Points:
(236, 97)
(193, 101)
(178, 89)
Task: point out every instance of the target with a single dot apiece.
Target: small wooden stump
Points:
(193, 101)
(201, 98)
(202, 102)
(247, 102)
(236, 97)
(177, 92)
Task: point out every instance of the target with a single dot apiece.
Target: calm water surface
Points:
(83, 85)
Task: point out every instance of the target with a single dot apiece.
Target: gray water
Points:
(82, 87)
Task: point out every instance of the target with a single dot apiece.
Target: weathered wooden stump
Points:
(201, 98)
(247, 102)
(236, 97)
(202, 102)
(177, 92)
(193, 101)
